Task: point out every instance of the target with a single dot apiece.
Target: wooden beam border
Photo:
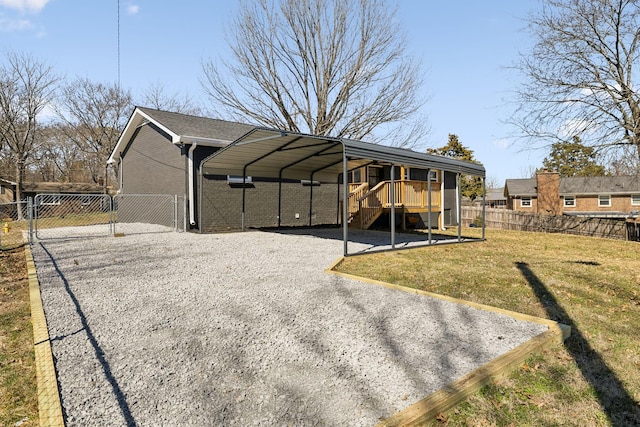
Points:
(441, 401)
(49, 406)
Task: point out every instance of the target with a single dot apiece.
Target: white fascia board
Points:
(137, 118)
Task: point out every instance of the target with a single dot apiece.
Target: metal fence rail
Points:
(14, 224)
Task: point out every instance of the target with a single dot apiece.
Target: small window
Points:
(50, 199)
(433, 175)
(236, 181)
(525, 202)
(604, 201)
(570, 201)
(635, 199)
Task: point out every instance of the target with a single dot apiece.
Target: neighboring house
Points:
(235, 175)
(494, 198)
(7, 191)
(31, 189)
(548, 193)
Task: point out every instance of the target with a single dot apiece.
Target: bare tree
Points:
(27, 85)
(156, 96)
(93, 115)
(326, 67)
(580, 76)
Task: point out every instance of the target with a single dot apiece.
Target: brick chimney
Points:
(548, 187)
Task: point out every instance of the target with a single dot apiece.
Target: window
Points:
(525, 202)
(50, 199)
(569, 201)
(635, 199)
(236, 181)
(433, 175)
(604, 201)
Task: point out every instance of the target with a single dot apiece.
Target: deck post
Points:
(429, 203)
(393, 209)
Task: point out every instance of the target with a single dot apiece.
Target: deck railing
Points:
(368, 204)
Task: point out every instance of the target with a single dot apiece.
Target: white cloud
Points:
(502, 143)
(32, 6)
(132, 9)
(9, 25)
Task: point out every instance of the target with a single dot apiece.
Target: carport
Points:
(281, 155)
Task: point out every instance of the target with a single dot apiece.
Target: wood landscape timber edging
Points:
(49, 407)
(441, 401)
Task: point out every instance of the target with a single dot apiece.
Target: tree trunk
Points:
(19, 176)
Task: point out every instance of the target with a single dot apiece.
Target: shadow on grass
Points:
(122, 402)
(616, 402)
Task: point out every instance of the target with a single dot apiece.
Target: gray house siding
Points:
(224, 204)
(450, 213)
(152, 164)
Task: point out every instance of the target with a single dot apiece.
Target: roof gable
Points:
(181, 129)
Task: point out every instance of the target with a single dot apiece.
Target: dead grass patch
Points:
(18, 399)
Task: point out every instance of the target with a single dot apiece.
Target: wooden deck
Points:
(366, 204)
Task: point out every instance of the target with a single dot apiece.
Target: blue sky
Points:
(464, 47)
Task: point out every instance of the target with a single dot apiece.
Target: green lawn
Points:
(591, 284)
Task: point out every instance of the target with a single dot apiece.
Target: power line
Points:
(118, 44)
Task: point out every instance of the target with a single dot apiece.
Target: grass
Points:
(18, 399)
(591, 284)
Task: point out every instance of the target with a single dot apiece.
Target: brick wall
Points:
(152, 164)
(590, 204)
(222, 205)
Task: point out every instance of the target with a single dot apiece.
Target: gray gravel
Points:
(246, 329)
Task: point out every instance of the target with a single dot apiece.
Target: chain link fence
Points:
(148, 213)
(58, 216)
(64, 216)
(14, 224)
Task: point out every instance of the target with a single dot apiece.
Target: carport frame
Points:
(272, 149)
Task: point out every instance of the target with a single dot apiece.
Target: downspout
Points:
(192, 214)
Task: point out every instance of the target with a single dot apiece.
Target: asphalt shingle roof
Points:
(200, 127)
(520, 187)
(600, 185)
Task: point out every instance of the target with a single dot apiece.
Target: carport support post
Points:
(484, 204)
(393, 208)
(459, 188)
(244, 190)
(345, 202)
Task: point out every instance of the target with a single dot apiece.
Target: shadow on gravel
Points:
(616, 402)
(122, 403)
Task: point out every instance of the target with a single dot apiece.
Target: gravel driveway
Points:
(245, 329)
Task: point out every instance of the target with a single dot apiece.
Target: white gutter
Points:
(192, 214)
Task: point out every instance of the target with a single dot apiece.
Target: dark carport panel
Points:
(276, 154)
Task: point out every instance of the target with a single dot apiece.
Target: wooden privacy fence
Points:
(505, 219)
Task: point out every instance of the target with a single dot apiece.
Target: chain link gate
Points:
(58, 216)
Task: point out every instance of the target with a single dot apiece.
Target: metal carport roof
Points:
(271, 153)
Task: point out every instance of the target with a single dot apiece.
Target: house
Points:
(494, 198)
(31, 189)
(7, 191)
(236, 175)
(548, 193)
